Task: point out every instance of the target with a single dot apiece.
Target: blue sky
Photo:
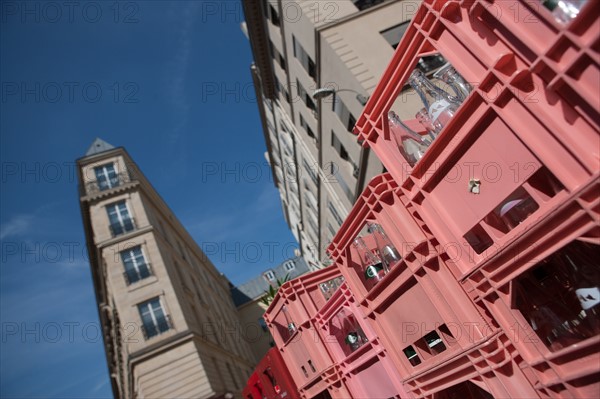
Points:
(171, 83)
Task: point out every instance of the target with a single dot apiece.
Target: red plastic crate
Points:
(253, 388)
(561, 362)
(270, 379)
(511, 135)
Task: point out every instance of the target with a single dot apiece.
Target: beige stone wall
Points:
(177, 373)
(258, 339)
(196, 297)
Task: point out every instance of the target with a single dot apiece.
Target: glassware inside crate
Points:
(432, 95)
(328, 288)
(348, 331)
(560, 296)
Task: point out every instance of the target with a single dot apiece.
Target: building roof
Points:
(98, 146)
(256, 287)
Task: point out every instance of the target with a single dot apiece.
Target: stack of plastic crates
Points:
(493, 287)
(525, 138)
(291, 319)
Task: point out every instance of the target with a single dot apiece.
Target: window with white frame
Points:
(270, 275)
(289, 266)
(119, 217)
(154, 319)
(106, 176)
(136, 267)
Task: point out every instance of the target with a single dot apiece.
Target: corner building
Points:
(300, 46)
(170, 327)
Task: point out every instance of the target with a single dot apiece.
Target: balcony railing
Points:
(162, 326)
(133, 276)
(94, 187)
(120, 229)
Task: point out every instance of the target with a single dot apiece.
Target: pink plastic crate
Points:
(329, 384)
(566, 56)
(304, 354)
(488, 370)
(511, 137)
(335, 321)
(418, 307)
(375, 377)
(313, 290)
(367, 356)
(531, 292)
(302, 298)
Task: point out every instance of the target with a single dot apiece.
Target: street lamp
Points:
(323, 92)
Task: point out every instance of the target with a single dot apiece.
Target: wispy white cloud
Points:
(178, 74)
(26, 224)
(17, 226)
(103, 382)
(185, 17)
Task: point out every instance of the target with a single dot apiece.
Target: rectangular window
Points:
(307, 128)
(271, 13)
(136, 268)
(283, 91)
(277, 55)
(305, 97)
(270, 276)
(364, 4)
(339, 147)
(332, 231)
(340, 180)
(311, 171)
(106, 176)
(289, 266)
(314, 228)
(263, 324)
(154, 320)
(334, 213)
(120, 220)
(304, 58)
(310, 199)
(344, 115)
(395, 33)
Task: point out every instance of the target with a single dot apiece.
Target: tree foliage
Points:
(267, 298)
